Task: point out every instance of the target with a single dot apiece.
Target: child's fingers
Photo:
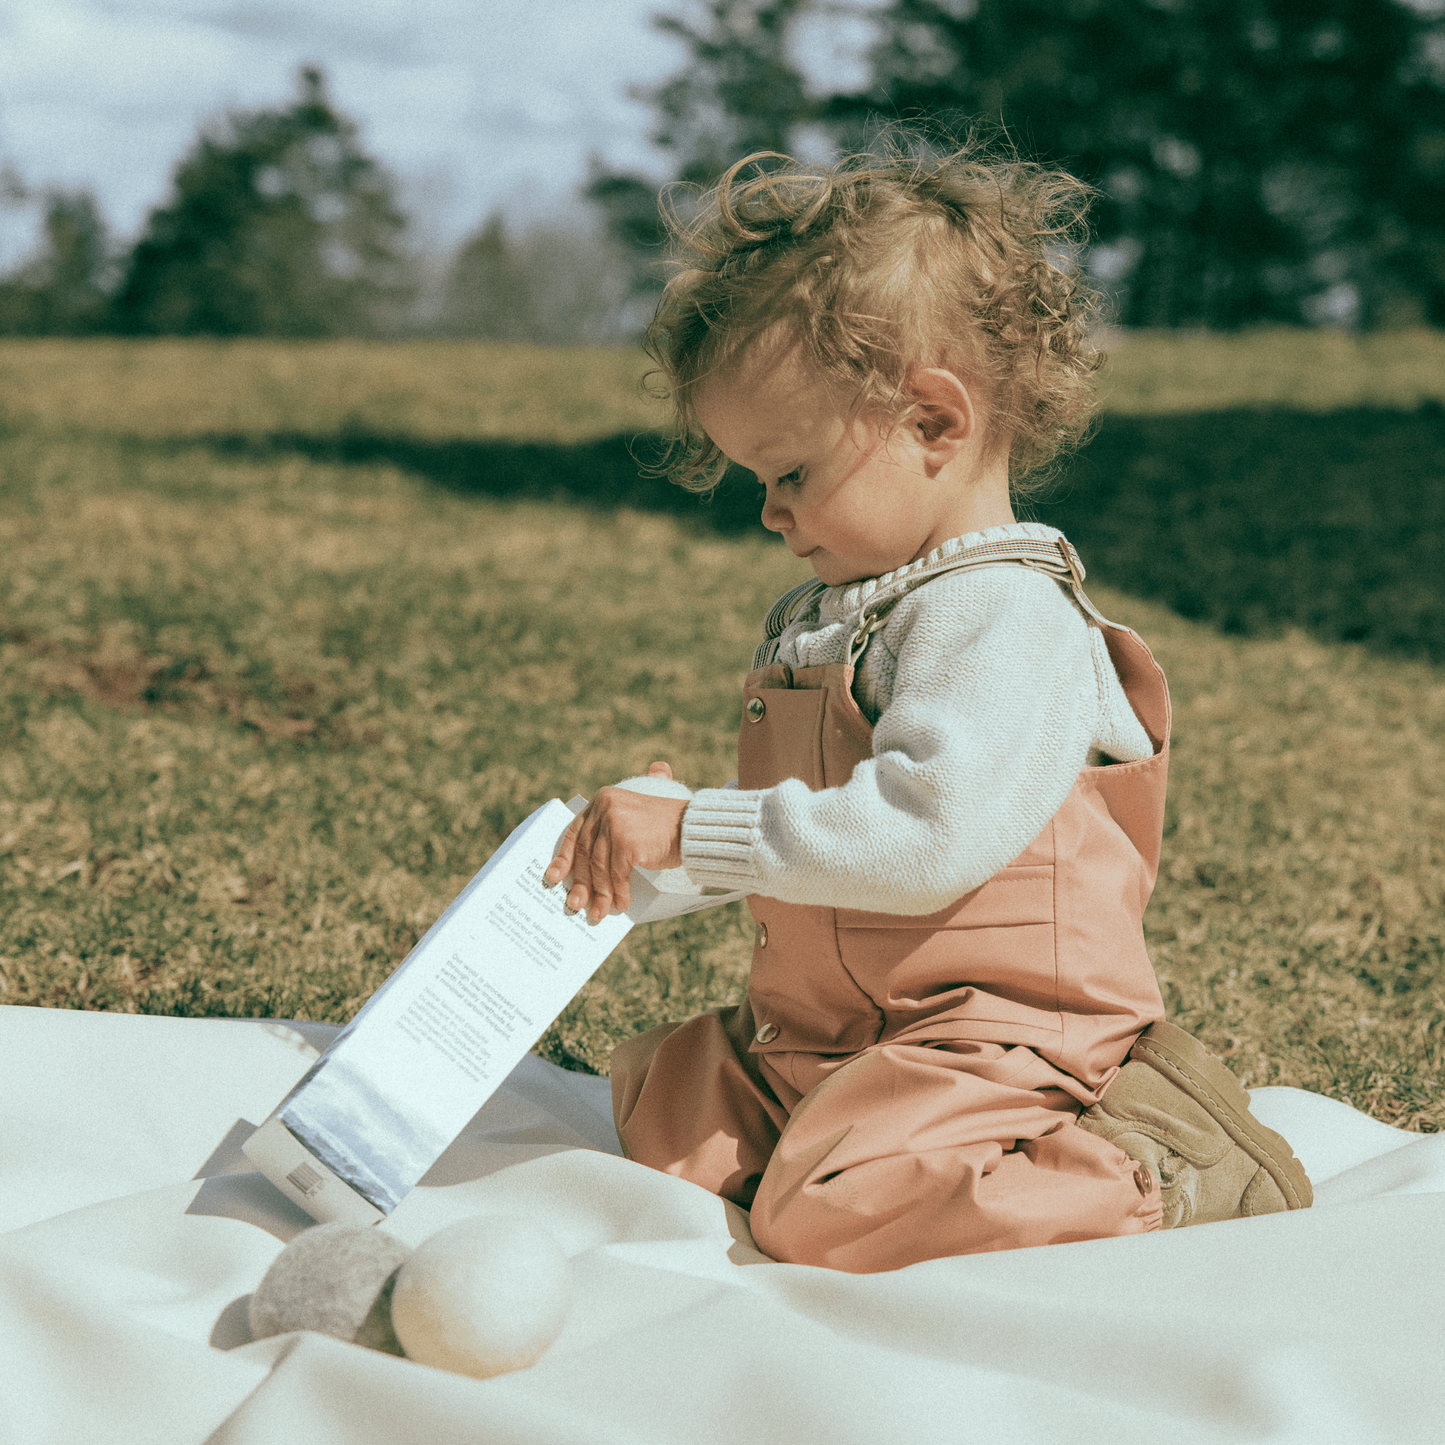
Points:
(618, 831)
(584, 860)
(599, 884)
(574, 856)
(561, 865)
(659, 770)
(622, 889)
(590, 849)
(612, 865)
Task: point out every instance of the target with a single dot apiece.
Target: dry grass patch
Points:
(437, 390)
(1156, 372)
(167, 388)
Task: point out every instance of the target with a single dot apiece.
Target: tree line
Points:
(1255, 161)
(280, 224)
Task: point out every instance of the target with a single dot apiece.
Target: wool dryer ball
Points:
(482, 1296)
(335, 1279)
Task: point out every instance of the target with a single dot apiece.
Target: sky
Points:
(474, 105)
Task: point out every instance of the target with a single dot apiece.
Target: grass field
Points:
(264, 707)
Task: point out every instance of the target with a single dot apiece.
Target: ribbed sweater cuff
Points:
(719, 838)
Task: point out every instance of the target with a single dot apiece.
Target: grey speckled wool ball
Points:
(335, 1279)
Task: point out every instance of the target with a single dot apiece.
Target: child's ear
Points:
(943, 413)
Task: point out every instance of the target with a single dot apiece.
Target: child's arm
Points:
(619, 831)
(1000, 689)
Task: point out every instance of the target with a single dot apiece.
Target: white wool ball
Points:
(482, 1296)
(335, 1279)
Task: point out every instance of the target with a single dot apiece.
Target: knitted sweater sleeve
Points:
(996, 701)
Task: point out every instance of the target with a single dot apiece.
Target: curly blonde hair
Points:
(879, 264)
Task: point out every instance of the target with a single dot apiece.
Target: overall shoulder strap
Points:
(1056, 559)
(780, 616)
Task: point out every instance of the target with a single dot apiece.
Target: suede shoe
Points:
(1176, 1108)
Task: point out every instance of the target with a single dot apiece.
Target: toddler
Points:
(951, 772)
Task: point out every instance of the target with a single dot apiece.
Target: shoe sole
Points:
(1182, 1059)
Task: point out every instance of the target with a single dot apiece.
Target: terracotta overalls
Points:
(899, 1088)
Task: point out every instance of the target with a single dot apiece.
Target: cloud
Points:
(506, 98)
(390, 40)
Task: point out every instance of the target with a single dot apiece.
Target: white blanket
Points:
(123, 1281)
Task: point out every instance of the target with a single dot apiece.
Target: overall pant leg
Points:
(688, 1100)
(906, 1153)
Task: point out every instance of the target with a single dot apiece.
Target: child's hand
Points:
(619, 831)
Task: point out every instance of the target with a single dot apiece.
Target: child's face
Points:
(854, 501)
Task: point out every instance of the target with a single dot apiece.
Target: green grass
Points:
(263, 712)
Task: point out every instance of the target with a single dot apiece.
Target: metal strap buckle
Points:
(868, 624)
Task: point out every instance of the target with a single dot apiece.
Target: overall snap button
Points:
(761, 936)
(1143, 1179)
(755, 709)
(767, 1033)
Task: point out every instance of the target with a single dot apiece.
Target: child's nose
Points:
(776, 517)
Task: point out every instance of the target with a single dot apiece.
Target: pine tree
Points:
(1258, 160)
(63, 290)
(486, 294)
(739, 93)
(1276, 160)
(280, 226)
(550, 286)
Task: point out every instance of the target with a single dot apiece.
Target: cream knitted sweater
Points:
(988, 689)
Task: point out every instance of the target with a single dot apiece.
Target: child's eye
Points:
(792, 478)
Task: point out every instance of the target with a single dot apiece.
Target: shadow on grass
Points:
(605, 474)
(1248, 520)
(1251, 520)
